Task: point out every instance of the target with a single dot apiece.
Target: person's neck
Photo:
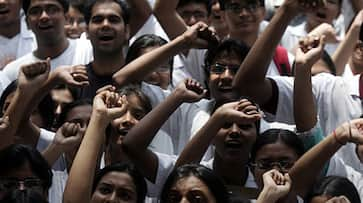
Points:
(10, 30)
(247, 38)
(233, 173)
(105, 65)
(51, 50)
(290, 198)
(355, 67)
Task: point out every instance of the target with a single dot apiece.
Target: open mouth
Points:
(225, 88)
(4, 11)
(233, 144)
(321, 15)
(45, 27)
(106, 38)
(122, 132)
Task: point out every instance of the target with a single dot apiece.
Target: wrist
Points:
(267, 195)
(342, 135)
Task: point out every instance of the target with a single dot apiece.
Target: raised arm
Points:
(241, 112)
(169, 19)
(141, 11)
(275, 186)
(106, 107)
(309, 166)
(145, 64)
(250, 79)
(140, 136)
(309, 52)
(346, 47)
(67, 138)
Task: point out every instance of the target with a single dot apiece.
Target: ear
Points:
(127, 32)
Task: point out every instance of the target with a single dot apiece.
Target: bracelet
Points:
(336, 138)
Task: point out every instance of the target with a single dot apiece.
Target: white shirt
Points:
(17, 46)
(337, 101)
(293, 34)
(78, 52)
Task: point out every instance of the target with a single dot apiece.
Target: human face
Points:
(216, 20)
(107, 30)
(80, 115)
(46, 19)
(220, 83)
(325, 14)
(270, 156)
(319, 199)
(357, 56)
(193, 13)
(190, 190)
(22, 176)
(61, 97)
(9, 12)
(243, 18)
(160, 77)
(75, 23)
(122, 125)
(233, 142)
(115, 187)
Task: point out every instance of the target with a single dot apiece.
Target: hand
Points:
(190, 91)
(295, 7)
(358, 20)
(309, 52)
(326, 30)
(242, 112)
(32, 76)
(109, 105)
(340, 199)
(69, 136)
(71, 75)
(276, 184)
(198, 36)
(351, 131)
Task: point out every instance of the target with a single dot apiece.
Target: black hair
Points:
(23, 196)
(45, 108)
(128, 168)
(206, 175)
(128, 90)
(207, 3)
(15, 156)
(145, 41)
(63, 3)
(223, 3)
(87, 12)
(68, 107)
(77, 4)
(271, 136)
(334, 186)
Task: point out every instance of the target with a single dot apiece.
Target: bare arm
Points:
(141, 11)
(346, 47)
(250, 79)
(169, 19)
(308, 167)
(142, 66)
(309, 52)
(241, 112)
(138, 139)
(106, 106)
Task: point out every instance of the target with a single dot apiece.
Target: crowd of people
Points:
(199, 101)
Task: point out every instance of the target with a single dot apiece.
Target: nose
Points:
(235, 131)
(112, 198)
(227, 76)
(192, 20)
(21, 186)
(129, 120)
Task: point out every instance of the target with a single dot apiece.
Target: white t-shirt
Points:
(337, 101)
(79, 51)
(17, 46)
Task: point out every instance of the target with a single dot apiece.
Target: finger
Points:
(110, 88)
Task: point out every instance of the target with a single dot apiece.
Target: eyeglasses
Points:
(8, 184)
(192, 196)
(221, 68)
(283, 165)
(49, 9)
(195, 14)
(237, 8)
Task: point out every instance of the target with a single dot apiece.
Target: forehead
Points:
(276, 151)
(118, 179)
(134, 102)
(44, 2)
(193, 6)
(83, 111)
(189, 183)
(24, 171)
(106, 8)
(228, 57)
